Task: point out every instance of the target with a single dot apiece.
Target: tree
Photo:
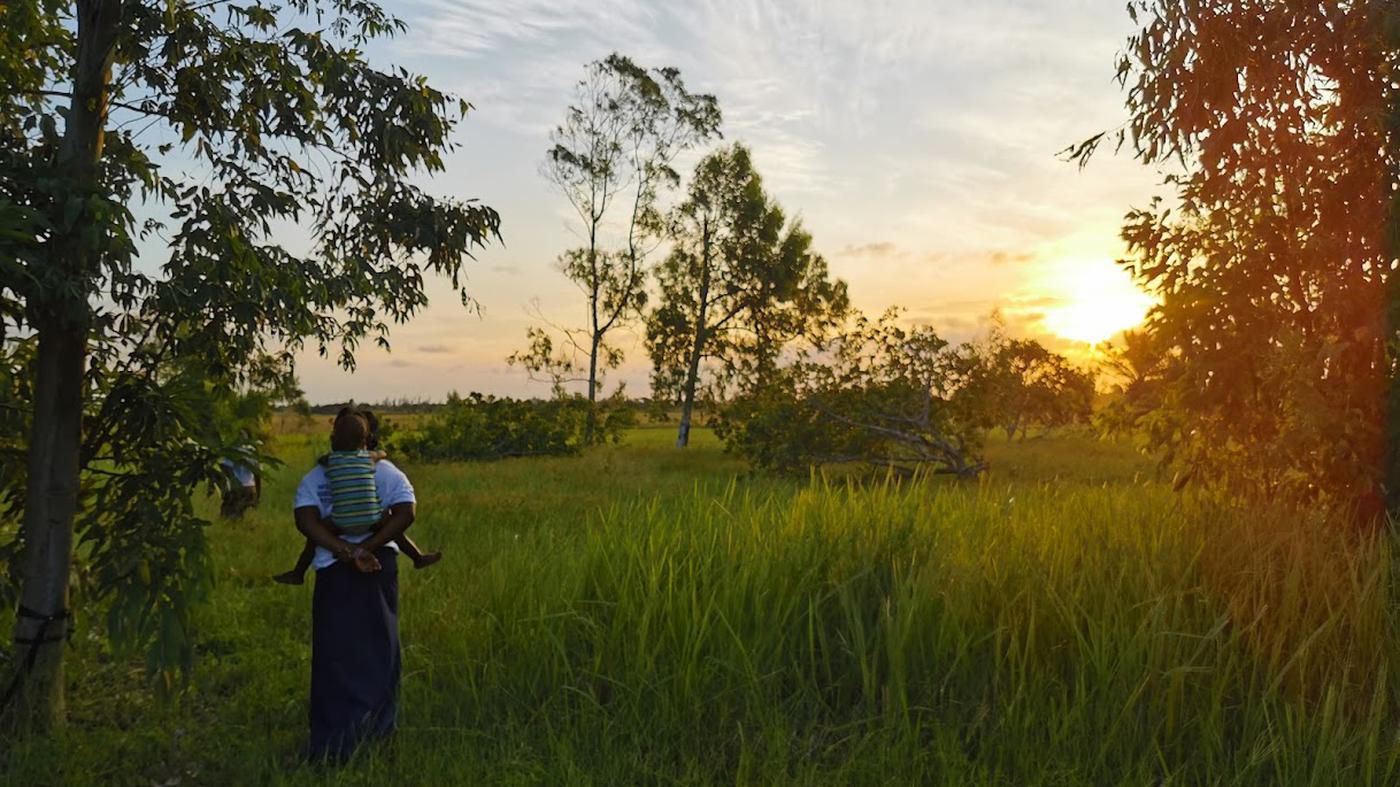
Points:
(1021, 384)
(1390, 24)
(739, 284)
(876, 393)
(233, 118)
(617, 142)
(1140, 370)
(1272, 266)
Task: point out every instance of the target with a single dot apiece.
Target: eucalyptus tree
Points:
(740, 283)
(230, 124)
(1275, 260)
(611, 159)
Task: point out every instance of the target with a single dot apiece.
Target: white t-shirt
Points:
(242, 473)
(315, 490)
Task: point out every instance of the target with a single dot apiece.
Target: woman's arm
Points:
(400, 517)
(308, 519)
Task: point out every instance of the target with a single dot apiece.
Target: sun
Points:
(1094, 300)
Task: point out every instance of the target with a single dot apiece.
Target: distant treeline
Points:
(642, 405)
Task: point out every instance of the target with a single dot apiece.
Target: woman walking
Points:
(355, 657)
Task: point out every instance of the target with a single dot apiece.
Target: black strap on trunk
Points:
(40, 639)
(33, 642)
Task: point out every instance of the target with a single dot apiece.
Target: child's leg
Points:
(408, 548)
(420, 559)
(298, 573)
(308, 553)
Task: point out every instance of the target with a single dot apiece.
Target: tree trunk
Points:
(697, 349)
(52, 501)
(692, 378)
(590, 419)
(590, 422)
(61, 317)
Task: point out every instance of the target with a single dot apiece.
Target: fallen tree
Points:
(877, 394)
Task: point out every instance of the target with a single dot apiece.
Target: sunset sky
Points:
(916, 140)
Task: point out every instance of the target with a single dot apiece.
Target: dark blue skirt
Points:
(355, 661)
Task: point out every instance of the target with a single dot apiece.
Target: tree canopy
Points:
(875, 392)
(740, 283)
(1021, 384)
(1274, 258)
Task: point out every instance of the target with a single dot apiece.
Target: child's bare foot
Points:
(427, 559)
(291, 578)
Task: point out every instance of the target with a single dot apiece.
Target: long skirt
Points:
(237, 500)
(355, 660)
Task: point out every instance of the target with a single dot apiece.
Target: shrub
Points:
(878, 394)
(478, 427)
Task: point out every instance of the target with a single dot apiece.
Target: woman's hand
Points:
(343, 551)
(364, 560)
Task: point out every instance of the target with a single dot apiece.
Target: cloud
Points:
(880, 249)
(470, 29)
(936, 311)
(399, 363)
(1003, 257)
(518, 62)
(916, 137)
(436, 349)
(1036, 301)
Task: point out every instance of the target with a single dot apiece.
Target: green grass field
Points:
(642, 615)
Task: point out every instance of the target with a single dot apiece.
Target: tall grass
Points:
(1093, 637)
(632, 618)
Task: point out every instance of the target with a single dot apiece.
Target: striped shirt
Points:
(354, 501)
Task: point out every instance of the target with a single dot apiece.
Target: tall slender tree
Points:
(612, 158)
(739, 284)
(236, 120)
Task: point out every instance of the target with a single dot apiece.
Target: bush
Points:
(478, 427)
(878, 394)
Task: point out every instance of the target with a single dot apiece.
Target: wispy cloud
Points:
(470, 29)
(880, 249)
(915, 139)
(1004, 257)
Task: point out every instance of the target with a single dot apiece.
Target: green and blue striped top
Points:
(354, 500)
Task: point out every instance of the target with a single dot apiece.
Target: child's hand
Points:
(378, 456)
